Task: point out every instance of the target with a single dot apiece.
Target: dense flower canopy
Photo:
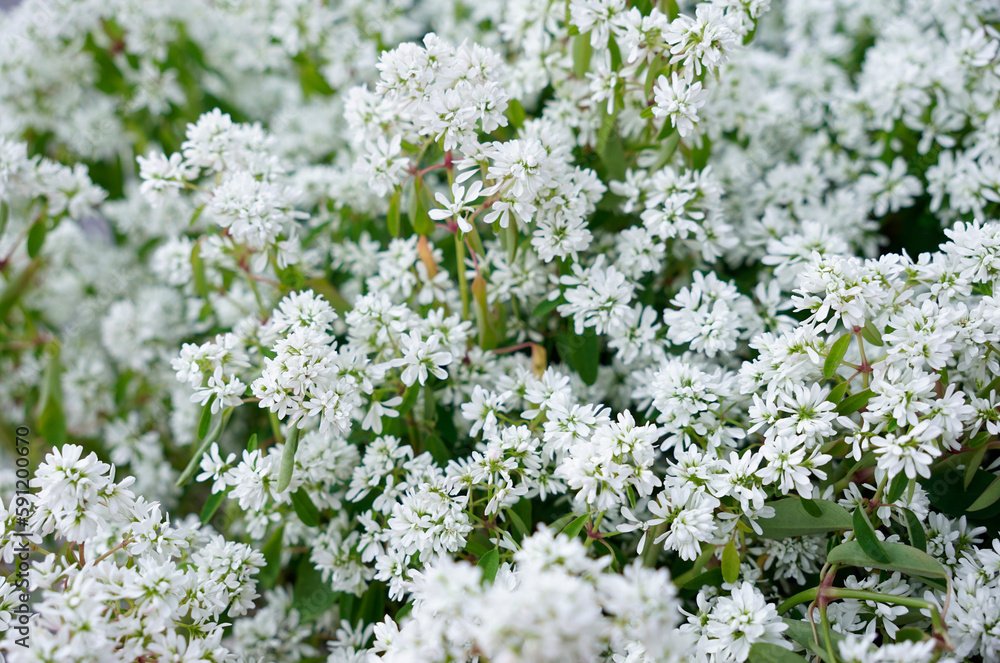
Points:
(437, 330)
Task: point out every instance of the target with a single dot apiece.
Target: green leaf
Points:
(988, 497)
(911, 635)
(560, 523)
(288, 459)
(896, 488)
(811, 508)
(206, 418)
(915, 530)
(490, 563)
(523, 511)
(584, 354)
(515, 113)
(667, 150)
(765, 652)
(272, 559)
(615, 52)
(903, 558)
(836, 355)
(311, 595)
(409, 398)
(52, 419)
(801, 632)
(198, 271)
(730, 562)
(866, 537)
(582, 52)
(792, 519)
(546, 306)
(422, 223)
(837, 393)
(667, 132)
(872, 334)
(36, 236)
(437, 449)
(304, 508)
(392, 218)
(610, 149)
(576, 526)
(372, 608)
(652, 72)
(252, 444)
(4, 216)
(975, 460)
(518, 523)
(211, 506)
(854, 402)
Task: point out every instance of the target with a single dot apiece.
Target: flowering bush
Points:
(587, 330)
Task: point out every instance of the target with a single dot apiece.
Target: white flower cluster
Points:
(504, 332)
(126, 579)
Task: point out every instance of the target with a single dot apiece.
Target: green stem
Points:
(463, 285)
(802, 597)
(213, 435)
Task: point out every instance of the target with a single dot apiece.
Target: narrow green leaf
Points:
(560, 523)
(836, 355)
(911, 635)
(576, 526)
(866, 537)
(478, 545)
(515, 113)
(667, 150)
(615, 52)
(872, 334)
(854, 402)
(198, 271)
(422, 223)
(311, 596)
(802, 633)
(272, 559)
(4, 215)
(409, 398)
(652, 72)
(36, 236)
(211, 506)
(903, 558)
(584, 354)
(765, 652)
(896, 488)
(52, 418)
(304, 508)
(206, 418)
(791, 519)
(435, 445)
(975, 460)
(490, 563)
(372, 608)
(518, 523)
(988, 497)
(288, 459)
(812, 508)
(392, 218)
(915, 530)
(546, 306)
(582, 52)
(837, 393)
(252, 444)
(667, 131)
(730, 562)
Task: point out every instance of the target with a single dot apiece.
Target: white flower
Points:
(459, 206)
(421, 357)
